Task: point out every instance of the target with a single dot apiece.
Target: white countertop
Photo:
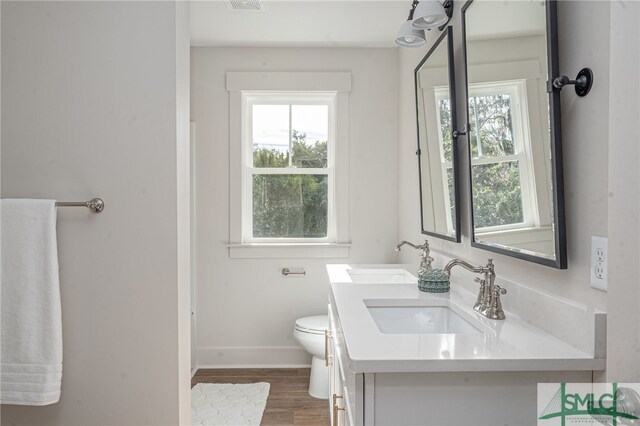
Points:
(509, 345)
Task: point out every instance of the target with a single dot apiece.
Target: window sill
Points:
(289, 250)
(512, 230)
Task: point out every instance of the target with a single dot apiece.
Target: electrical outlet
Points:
(599, 255)
(599, 271)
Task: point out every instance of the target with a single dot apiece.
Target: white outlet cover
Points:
(599, 258)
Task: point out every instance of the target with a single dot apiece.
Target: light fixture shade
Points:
(409, 36)
(429, 14)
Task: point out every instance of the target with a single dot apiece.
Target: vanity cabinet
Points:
(390, 364)
(346, 387)
(439, 397)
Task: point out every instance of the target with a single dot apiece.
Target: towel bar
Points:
(96, 205)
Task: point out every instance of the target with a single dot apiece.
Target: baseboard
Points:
(229, 367)
(253, 357)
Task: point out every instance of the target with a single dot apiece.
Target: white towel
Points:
(31, 350)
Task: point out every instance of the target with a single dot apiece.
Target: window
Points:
(499, 164)
(443, 111)
(289, 158)
(289, 168)
(501, 170)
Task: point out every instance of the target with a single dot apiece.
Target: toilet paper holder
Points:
(293, 271)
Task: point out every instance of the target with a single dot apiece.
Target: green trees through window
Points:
(495, 160)
(290, 205)
(497, 193)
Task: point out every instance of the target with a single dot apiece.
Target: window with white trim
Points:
(289, 194)
(502, 172)
(289, 167)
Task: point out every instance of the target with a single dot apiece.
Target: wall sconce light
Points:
(431, 14)
(582, 83)
(408, 36)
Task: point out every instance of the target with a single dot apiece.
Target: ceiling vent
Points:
(246, 5)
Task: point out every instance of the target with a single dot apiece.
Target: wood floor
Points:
(289, 402)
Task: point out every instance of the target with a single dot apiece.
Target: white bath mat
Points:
(223, 404)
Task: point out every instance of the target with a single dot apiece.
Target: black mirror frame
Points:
(557, 176)
(447, 33)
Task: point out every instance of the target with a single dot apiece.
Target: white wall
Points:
(89, 103)
(183, 206)
(246, 309)
(600, 161)
(623, 363)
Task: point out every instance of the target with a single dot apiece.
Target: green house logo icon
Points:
(612, 408)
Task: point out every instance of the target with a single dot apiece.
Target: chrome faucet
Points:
(488, 302)
(425, 258)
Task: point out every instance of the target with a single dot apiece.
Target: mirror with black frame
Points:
(514, 136)
(437, 151)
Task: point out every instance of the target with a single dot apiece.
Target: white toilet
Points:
(309, 332)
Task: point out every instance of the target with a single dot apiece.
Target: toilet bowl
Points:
(309, 332)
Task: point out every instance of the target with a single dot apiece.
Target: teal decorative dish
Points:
(433, 281)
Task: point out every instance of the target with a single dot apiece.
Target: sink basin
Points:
(375, 276)
(420, 320)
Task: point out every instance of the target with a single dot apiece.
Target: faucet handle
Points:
(495, 309)
(479, 306)
(425, 259)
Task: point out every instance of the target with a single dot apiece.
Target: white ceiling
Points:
(344, 23)
(299, 23)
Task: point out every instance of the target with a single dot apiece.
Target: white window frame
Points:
(522, 143)
(249, 99)
(245, 84)
(441, 93)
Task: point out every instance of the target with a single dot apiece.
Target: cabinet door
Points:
(336, 384)
(339, 415)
